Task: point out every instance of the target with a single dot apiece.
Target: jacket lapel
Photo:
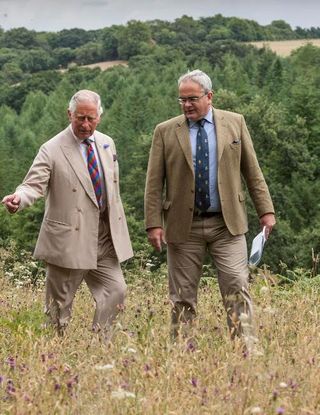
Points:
(106, 160)
(182, 132)
(220, 127)
(73, 155)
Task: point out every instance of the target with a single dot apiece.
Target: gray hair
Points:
(85, 95)
(198, 77)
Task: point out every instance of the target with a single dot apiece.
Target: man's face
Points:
(194, 109)
(85, 119)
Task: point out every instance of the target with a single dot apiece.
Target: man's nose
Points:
(85, 122)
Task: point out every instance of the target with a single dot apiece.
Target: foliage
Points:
(279, 97)
(20, 269)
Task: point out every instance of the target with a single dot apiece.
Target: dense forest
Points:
(279, 97)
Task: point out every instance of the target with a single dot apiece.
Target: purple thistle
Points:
(10, 387)
(51, 369)
(194, 382)
(280, 410)
(57, 386)
(147, 367)
(11, 362)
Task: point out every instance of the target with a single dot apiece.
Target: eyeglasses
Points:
(192, 100)
(82, 118)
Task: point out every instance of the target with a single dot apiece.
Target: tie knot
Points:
(87, 142)
(201, 122)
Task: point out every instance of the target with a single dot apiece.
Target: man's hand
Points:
(268, 220)
(11, 202)
(156, 238)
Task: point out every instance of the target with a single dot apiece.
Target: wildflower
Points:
(194, 382)
(147, 367)
(52, 368)
(283, 385)
(264, 290)
(280, 410)
(10, 387)
(11, 362)
(256, 410)
(57, 386)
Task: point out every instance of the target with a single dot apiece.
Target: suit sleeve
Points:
(253, 175)
(36, 182)
(155, 182)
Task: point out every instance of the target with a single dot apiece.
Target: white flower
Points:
(131, 350)
(264, 290)
(121, 394)
(270, 310)
(256, 410)
(283, 385)
(244, 318)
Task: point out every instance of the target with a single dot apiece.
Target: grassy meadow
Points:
(142, 372)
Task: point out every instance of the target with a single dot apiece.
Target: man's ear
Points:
(69, 114)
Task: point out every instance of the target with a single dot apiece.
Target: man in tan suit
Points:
(194, 201)
(84, 233)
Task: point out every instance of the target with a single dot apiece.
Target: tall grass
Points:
(142, 372)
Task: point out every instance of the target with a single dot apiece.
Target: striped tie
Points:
(94, 171)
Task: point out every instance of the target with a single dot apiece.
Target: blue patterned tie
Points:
(202, 196)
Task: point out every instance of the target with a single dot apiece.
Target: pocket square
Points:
(105, 146)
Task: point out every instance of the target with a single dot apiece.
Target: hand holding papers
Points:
(257, 247)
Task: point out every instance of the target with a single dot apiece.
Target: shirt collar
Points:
(208, 117)
(91, 138)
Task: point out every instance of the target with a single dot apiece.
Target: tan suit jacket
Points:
(69, 232)
(170, 184)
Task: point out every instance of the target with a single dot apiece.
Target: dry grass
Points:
(285, 47)
(141, 372)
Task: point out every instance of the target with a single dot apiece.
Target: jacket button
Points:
(191, 209)
(192, 191)
(76, 229)
(74, 190)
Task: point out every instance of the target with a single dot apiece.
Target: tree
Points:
(132, 38)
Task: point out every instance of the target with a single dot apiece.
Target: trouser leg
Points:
(61, 287)
(108, 289)
(106, 283)
(230, 257)
(184, 267)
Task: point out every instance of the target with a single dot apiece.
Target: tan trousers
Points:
(229, 254)
(106, 284)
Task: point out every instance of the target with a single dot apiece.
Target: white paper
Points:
(257, 248)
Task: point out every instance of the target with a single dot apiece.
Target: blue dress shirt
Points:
(215, 205)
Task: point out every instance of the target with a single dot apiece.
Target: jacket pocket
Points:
(55, 226)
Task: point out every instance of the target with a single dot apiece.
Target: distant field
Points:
(106, 65)
(102, 65)
(285, 47)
